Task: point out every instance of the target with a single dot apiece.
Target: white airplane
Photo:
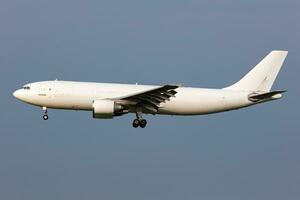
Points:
(107, 100)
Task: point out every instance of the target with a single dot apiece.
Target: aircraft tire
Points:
(45, 117)
(143, 123)
(135, 123)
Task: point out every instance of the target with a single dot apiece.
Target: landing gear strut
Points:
(139, 121)
(45, 116)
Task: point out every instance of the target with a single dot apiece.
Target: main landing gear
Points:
(139, 121)
(45, 116)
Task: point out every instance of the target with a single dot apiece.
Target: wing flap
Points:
(151, 99)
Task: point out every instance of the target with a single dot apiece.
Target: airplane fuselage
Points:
(107, 100)
(81, 95)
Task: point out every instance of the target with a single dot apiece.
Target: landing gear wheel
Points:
(139, 121)
(135, 123)
(45, 117)
(143, 123)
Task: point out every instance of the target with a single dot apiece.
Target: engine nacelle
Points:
(107, 109)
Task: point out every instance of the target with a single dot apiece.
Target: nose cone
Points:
(18, 94)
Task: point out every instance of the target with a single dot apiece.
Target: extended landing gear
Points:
(143, 123)
(136, 123)
(139, 121)
(45, 116)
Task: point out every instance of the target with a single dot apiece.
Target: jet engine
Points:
(107, 109)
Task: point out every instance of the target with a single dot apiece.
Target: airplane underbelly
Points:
(198, 105)
(65, 102)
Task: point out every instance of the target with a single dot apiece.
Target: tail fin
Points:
(263, 75)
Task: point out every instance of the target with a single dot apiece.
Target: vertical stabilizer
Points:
(263, 75)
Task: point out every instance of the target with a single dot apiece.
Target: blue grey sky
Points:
(246, 154)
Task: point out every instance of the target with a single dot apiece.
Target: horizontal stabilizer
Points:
(255, 97)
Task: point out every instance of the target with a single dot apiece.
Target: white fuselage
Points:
(81, 95)
(107, 100)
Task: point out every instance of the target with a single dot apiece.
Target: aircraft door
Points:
(51, 89)
(47, 90)
(43, 91)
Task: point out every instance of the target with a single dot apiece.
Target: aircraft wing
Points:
(150, 99)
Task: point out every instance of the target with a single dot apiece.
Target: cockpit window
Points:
(26, 88)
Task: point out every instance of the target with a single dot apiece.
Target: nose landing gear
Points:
(45, 116)
(139, 121)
